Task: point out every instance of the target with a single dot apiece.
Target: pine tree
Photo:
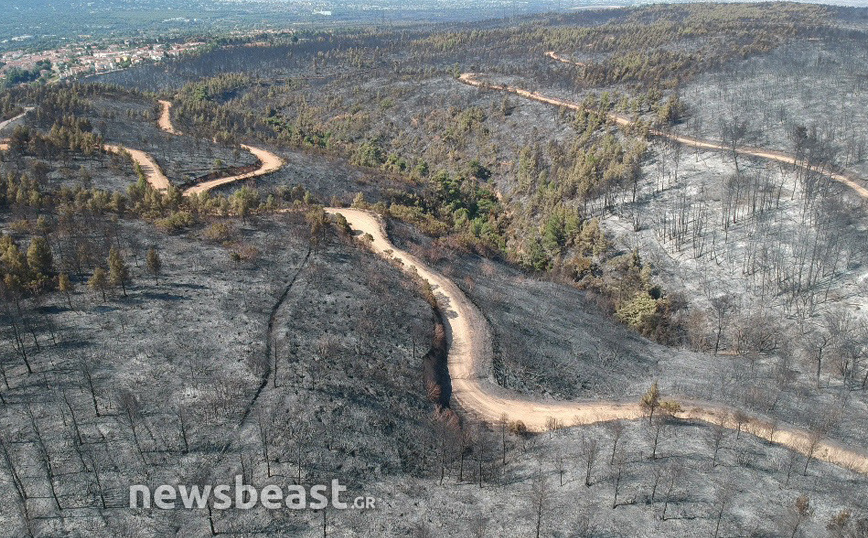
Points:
(119, 273)
(651, 400)
(155, 264)
(65, 286)
(98, 281)
(39, 258)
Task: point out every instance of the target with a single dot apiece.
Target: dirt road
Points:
(165, 120)
(470, 345)
(847, 178)
(4, 145)
(474, 390)
(153, 174)
(270, 162)
(149, 166)
(558, 58)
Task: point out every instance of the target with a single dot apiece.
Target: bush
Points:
(640, 313)
(219, 232)
(175, 222)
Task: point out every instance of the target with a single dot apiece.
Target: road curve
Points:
(270, 162)
(149, 166)
(558, 58)
(847, 178)
(4, 144)
(153, 174)
(474, 390)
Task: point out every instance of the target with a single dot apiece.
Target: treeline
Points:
(68, 135)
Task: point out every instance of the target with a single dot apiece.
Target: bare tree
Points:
(87, 372)
(503, 422)
(179, 410)
(673, 474)
(590, 450)
(480, 442)
(616, 428)
(45, 457)
(722, 306)
(263, 438)
(811, 444)
(20, 491)
(816, 344)
(657, 428)
(657, 473)
(540, 496)
(560, 465)
(741, 418)
(617, 475)
(722, 499)
(718, 433)
(131, 410)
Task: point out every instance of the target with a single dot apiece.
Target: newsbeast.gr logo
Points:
(245, 497)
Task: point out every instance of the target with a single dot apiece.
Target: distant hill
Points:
(35, 22)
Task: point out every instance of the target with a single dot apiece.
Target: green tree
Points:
(39, 258)
(119, 273)
(368, 154)
(155, 264)
(244, 200)
(65, 286)
(640, 313)
(12, 260)
(650, 401)
(535, 257)
(98, 281)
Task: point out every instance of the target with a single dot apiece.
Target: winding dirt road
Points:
(469, 337)
(558, 58)
(158, 180)
(847, 178)
(270, 162)
(149, 166)
(474, 390)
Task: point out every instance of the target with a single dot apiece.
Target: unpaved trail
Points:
(270, 162)
(469, 338)
(558, 58)
(153, 174)
(847, 178)
(3, 124)
(4, 144)
(149, 166)
(165, 120)
(471, 80)
(474, 390)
